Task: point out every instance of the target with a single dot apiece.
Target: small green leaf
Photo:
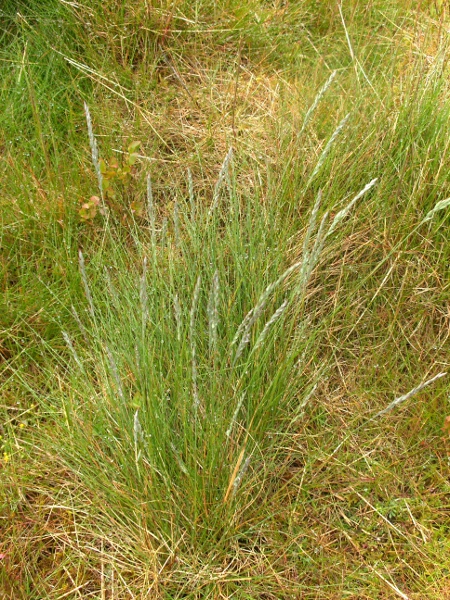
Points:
(137, 208)
(88, 209)
(132, 159)
(133, 147)
(136, 402)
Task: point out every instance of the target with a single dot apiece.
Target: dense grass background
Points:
(190, 380)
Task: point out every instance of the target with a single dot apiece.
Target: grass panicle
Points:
(94, 149)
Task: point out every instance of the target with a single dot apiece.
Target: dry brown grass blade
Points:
(234, 475)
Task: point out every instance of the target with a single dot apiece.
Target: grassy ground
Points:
(197, 344)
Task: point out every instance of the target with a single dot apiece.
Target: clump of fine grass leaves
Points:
(191, 351)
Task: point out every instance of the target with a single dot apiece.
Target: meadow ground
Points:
(225, 299)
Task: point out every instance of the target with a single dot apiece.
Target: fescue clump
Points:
(199, 360)
(198, 373)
